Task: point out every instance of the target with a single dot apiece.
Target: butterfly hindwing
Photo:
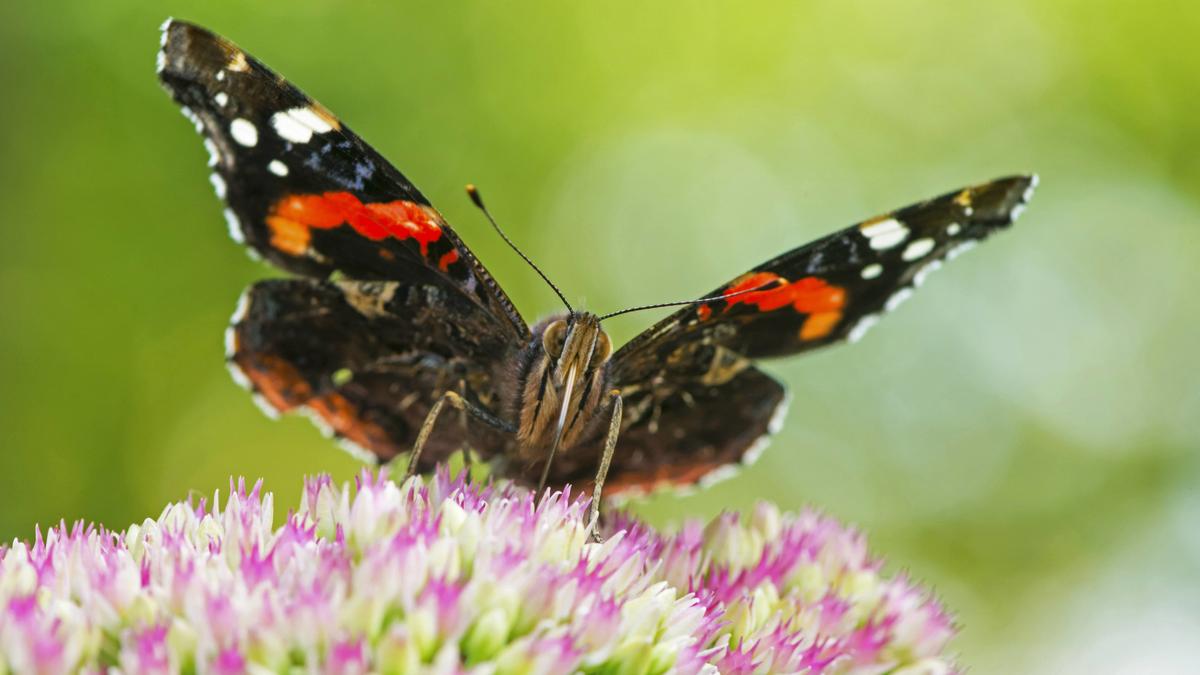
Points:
(367, 360)
(693, 435)
(302, 190)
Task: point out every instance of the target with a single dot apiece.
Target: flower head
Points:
(451, 576)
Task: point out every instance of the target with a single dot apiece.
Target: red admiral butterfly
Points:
(392, 317)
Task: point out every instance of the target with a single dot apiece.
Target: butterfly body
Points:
(390, 317)
(563, 381)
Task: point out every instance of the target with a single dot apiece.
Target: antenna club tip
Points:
(473, 193)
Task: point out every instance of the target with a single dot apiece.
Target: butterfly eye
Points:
(603, 349)
(554, 337)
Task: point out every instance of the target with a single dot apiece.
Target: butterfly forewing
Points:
(304, 191)
(834, 288)
(689, 383)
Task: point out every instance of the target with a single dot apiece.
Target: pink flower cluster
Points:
(453, 577)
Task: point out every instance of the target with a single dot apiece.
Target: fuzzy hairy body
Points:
(560, 386)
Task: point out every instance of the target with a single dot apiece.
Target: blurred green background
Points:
(1022, 436)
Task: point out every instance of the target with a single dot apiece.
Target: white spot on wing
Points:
(1033, 183)
(860, 329)
(357, 451)
(881, 227)
(299, 124)
(214, 155)
(277, 167)
(244, 132)
(289, 129)
(265, 406)
(318, 421)
(161, 59)
(898, 298)
(1019, 208)
(238, 376)
(243, 306)
(781, 411)
(193, 118)
(221, 98)
(230, 341)
(235, 226)
(187, 112)
(889, 240)
(309, 118)
(917, 249)
(239, 314)
(954, 228)
(717, 475)
(919, 277)
(871, 271)
(885, 234)
(961, 249)
(755, 451)
(218, 184)
(678, 490)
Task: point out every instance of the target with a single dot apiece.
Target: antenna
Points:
(473, 193)
(770, 284)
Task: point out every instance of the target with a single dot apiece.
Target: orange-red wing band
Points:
(283, 387)
(448, 258)
(293, 218)
(822, 302)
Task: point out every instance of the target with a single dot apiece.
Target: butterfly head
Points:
(575, 344)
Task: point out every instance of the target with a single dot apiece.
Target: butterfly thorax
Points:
(564, 376)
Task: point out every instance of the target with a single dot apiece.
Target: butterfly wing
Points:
(367, 360)
(304, 191)
(694, 403)
(685, 433)
(834, 288)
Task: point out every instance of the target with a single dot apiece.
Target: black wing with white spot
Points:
(304, 191)
(830, 290)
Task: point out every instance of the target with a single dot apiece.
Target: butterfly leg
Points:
(455, 399)
(610, 444)
(464, 422)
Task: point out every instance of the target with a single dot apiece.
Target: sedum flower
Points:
(449, 576)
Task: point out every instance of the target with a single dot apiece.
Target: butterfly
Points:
(396, 339)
